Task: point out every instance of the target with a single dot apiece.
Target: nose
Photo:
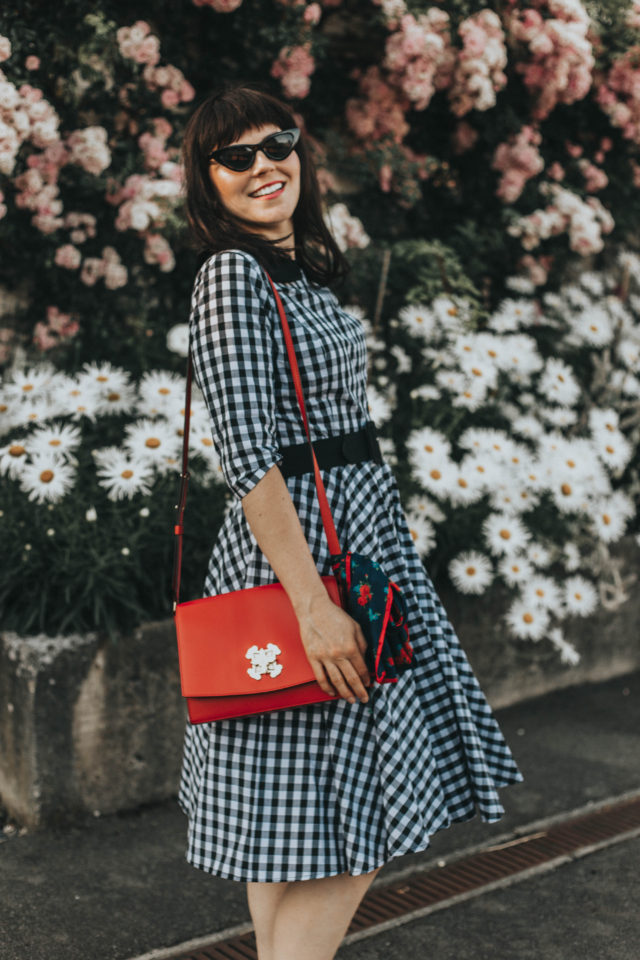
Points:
(261, 162)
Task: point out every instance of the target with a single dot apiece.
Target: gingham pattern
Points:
(331, 787)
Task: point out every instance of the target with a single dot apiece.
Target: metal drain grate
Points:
(393, 900)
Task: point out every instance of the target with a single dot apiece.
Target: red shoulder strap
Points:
(325, 510)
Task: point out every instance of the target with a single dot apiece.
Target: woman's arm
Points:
(333, 641)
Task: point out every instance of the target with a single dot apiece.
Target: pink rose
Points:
(68, 256)
(312, 14)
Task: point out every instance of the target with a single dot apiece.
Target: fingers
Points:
(347, 681)
(323, 682)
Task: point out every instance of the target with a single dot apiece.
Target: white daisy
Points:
(160, 391)
(543, 592)
(78, 400)
(520, 358)
(553, 301)
(356, 311)
(514, 570)
(471, 571)
(418, 320)
(484, 468)
(558, 416)
(388, 450)
(422, 506)
(32, 382)
(13, 457)
(512, 314)
(568, 653)
(402, 358)
(495, 444)
(571, 556)
(628, 351)
(46, 478)
(527, 621)
(103, 375)
(122, 474)
(493, 348)
(427, 446)
(625, 382)
(452, 314)
(427, 392)
(439, 357)
(614, 450)
(593, 326)
(151, 441)
(505, 534)
(538, 554)
(520, 284)
(422, 533)
(200, 439)
(630, 261)
(178, 339)
(557, 382)
(59, 439)
(436, 478)
(573, 458)
(117, 398)
(379, 407)
(580, 596)
(592, 282)
(11, 413)
(528, 426)
(568, 493)
(575, 296)
(608, 519)
(39, 410)
(451, 380)
(467, 484)
(603, 421)
(472, 396)
(513, 497)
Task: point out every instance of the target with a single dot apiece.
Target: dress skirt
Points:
(332, 787)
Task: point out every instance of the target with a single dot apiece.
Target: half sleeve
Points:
(232, 348)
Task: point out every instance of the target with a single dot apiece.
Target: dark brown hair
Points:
(219, 120)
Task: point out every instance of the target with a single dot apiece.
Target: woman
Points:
(307, 804)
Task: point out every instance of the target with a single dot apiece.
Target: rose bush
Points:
(466, 151)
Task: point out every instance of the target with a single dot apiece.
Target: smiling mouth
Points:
(269, 188)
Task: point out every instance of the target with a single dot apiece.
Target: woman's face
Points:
(269, 214)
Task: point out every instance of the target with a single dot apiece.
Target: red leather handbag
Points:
(240, 652)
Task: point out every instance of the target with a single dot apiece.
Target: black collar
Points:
(286, 270)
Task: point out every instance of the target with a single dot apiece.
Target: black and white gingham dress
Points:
(330, 787)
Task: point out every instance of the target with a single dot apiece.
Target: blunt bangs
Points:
(226, 117)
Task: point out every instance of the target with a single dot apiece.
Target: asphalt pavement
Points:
(116, 887)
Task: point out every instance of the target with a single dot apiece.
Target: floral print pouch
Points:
(379, 606)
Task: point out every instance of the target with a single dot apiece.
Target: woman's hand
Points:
(335, 645)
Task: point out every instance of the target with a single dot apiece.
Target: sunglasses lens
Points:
(279, 146)
(236, 158)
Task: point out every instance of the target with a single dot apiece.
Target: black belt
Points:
(335, 451)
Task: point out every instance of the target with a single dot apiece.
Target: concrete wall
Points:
(88, 725)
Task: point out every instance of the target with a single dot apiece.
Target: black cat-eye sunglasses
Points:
(240, 156)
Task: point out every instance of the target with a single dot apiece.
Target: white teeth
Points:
(267, 190)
